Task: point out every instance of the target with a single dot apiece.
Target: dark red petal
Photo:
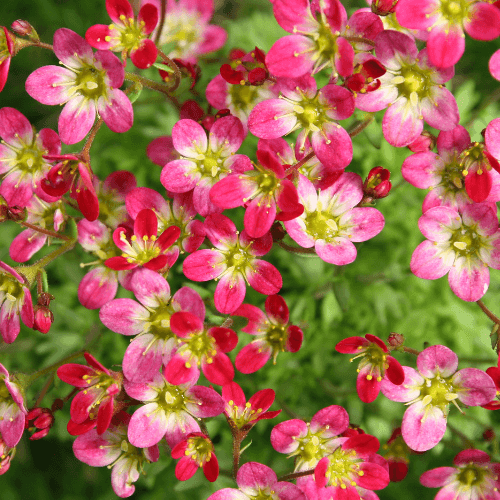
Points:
(94, 363)
(146, 224)
(397, 471)
(478, 186)
(185, 468)
(363, 444)
(183, 323)
(230, 75)
(262, 400)
(377, 340)
(374, 68)
(179, 449)
(211, 468)
(157, 263)
(395, 371)
(104, 415)
(168, 237)
(119, 263)
(225, 338)
(276, 308)
(148, 14)
(295, 337)
(351, 345)
(145, 55)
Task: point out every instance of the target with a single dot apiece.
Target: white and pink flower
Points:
(87, 84)
(331, 221)
(12, 411)
(430, 389)
(461, 244)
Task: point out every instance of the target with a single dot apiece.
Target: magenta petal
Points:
(483, 21)
(475, 387)
(333, 146)
(76, 120)
(375, 476)
(344, 57)
(230, 293)
(423, 426)
(431, 261)
(252, 357)
(437, 359)
(283, 61)
(438, 224)
(226, 134)
(204, 265)
(339, 251)
(401, 124)
(253, 476)
(147, 426)
(125, 316)
(494, 65)
(271, 119)
(331, 421)
(259, 216)
(438, 477)
(420, 169)
(10, 325)
(445, 45)
(264, 277)
(189, 138)
(116, 111)
(95, 450)
(25, 245)
(142, 359)
(220, 371)
(362, 223)
(409, 390)
(442, 112)
(179, 371)
(70, 48)
(43, 84)
(391, 46)
(15, 128)
(492, 135)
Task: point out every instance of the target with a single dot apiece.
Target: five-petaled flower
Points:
(430, 389)
(374, 365)
(88, 84)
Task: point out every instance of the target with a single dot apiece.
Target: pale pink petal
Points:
(142, 359)
(421, 169)
(26, 244)
(125, 316)
(423, 426)
(469, 279)
(116, 111)
(48, 84)
(226, 135)
(95, 450)
(179, 176)
(442, 111)
(271, 119)
(407, 391)
(70, 48)
(76, 119)
(401, 124)
(438, 224)
(437, 360)
(147, 426)
(339, 251)
(453, 141)
(97, 287)
(189, 138)
(445, 45)
(474, 387)
(361, 223)
(392, 46)
(431, 260)
(150, 288)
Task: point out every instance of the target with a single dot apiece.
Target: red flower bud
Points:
(43, 315)
(395, 339)
(15, 213)
(377, 183)
(383, 7)
(39, 418)
(489, 435)
(24, 28)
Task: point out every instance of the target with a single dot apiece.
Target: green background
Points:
(376, 294)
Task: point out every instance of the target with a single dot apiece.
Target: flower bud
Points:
(377, 184)
(43, 315)
(384, 7)
(14, 213)
(24, 28)
(277, 231)
(395, 339)
(425, 142)
(489, 434)
(39, 418)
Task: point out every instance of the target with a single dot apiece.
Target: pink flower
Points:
(21, 156)
(6, 49)
(273, 334)
(149, 321)
(461, 172)
(320, 38)
(374, 365)
(203, 162)
(95, 401)
(472, 476)
(233, 262)
(169, 410)
(313, 112)
(200, 346)
(312, 441)
(6, 455)
(430, 389)
(127, 35)
(87, 84)
(331, 220)
(242, 414)
(195, 451)
(143, 247)
(12, 411)
(15, 301)
(353, 464)
(186, 30)
(412, 89)
(263, 190)
(446, 21)
(254, 480)
(462, 245)
(113, 449)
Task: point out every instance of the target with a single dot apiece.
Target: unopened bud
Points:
(41, 419)
(14, 212)
(489, 434)
(277, 231)
(377, 184)
(383, 7)
(425, 142)
(43, 315)
(395, 339)
(24, 28)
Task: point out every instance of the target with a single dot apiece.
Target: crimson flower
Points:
(142, 247)
(127, 35)
(6, 49)
(195, 451)
(272, 331)
(374, 365)
(93, 405)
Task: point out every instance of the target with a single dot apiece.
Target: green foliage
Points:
(376, 294)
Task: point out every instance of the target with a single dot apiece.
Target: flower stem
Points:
(297, 165)
(47, 232)
(360, 126)
(44, 391)
(295, 475)
(299, 250)
(88, 144)
(150, 84)
(236, 453)
(174, 67)
(359, 39)
(488, 313)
